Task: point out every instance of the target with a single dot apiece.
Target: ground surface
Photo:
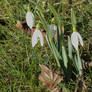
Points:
(19, 62)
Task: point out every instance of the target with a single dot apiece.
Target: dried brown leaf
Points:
(50, 79)
(19, 24)
(56, 89)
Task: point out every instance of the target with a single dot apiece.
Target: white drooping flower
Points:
(76, 39)
(52, 30)
(30, 19)
(37, 35)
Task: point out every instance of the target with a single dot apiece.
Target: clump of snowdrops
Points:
(66, 58)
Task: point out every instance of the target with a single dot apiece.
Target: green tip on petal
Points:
(38, 26)
(53, 21)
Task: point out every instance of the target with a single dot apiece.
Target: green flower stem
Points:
(28, 9)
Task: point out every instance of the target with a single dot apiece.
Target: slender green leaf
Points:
(64, 55)
(76, 63)
(69, 48)
(79, 63)
(73, 18)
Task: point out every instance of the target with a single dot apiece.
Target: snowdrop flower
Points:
(30, 19)
(76, 39)
(52, 30)
(37, 35)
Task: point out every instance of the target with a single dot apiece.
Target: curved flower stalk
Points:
(76, 39)
(30, 19)
(37, 35)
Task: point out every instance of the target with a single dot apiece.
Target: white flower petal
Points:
(30, 19)
(74, 40)
(80, 39)
(34, 38)
(36, 35)
(41, 37)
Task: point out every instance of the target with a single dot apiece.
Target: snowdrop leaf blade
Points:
(48, 42)
(69, 48)
(76, 62)
(79, 63)
(64, 55)
(73, 18)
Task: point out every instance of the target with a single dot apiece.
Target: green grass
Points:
(19, 62)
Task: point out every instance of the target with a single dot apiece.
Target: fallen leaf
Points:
(50, 79)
